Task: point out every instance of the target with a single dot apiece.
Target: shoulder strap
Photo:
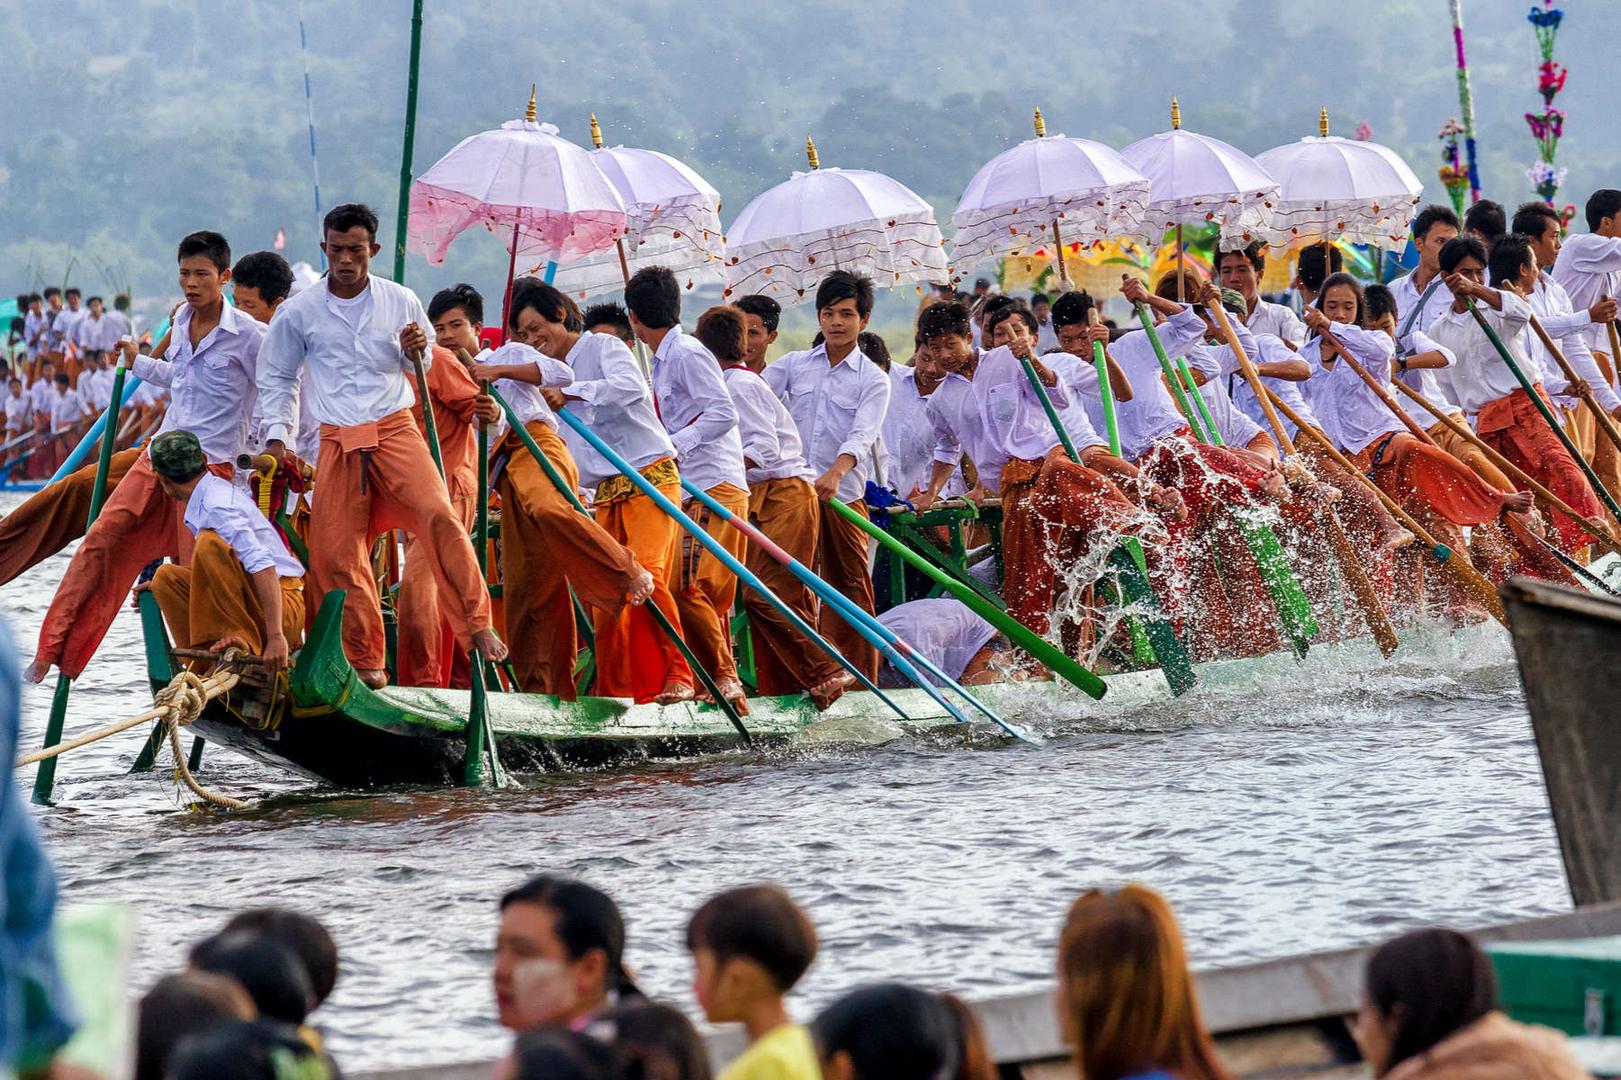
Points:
(1407, 327)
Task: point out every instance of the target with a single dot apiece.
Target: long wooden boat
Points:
(1569, 644)
(328, 725)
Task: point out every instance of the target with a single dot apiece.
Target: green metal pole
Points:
(1106, 393)
(45, 775)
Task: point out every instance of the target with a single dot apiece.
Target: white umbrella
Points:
(1197, 180)
(521, 179)
(1334, 188)
(1050, 188)
(673, 221)
(792, 236)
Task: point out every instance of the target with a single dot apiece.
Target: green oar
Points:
(1162, 639)
(1016, 632)
(480, 733)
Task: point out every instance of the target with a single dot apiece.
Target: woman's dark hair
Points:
(269, 971)
(768, 310)
(760, 923)
(247, 1050)
(179, 1006)
(263, 271)
(1459, 249)
(586, 918)
(301, 933)
(654, 1042)
(948, 317)
(463, 296)
(654, 296)
(973, 1055)
(1309, 268)
(1336, 280)
(342, 218)
(1508, 259)
(1378, 302)
(843, 285)
(1434, 982)
(890, 1032)
(1072, 309)
(554, 1053)
(724, 332)
(1013, 309)
(874, 348)
(548, 302)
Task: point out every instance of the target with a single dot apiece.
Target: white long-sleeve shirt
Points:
(769, 436)
(63, 328)
(944, 630)
(909, 437)
(67, 408)
(1151, 413)
(1568, 328)
(212, 387)
(697, 411)
(953, 411)
(839, 409)
(1586, 268)
(19, 412)
(1479, 376)
(1278, 320)
(221, 506)
(1352, 414)
(97, 335)
(525, 397)
(1015, 422)
(1262, 348)
(616, 404)
(358, 373)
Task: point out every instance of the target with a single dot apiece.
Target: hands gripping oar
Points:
(1606, 423)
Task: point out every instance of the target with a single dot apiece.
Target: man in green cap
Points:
(242, 586)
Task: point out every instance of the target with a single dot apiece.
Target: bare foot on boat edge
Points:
(732, 690)
(674, 693)
(493, 648)
(376, 678)
(825, 693)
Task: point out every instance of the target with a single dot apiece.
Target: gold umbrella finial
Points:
(1041, 124)
(810, 153)
(1322, 123)
(596, 132)
(1176, 114)
(529, 113)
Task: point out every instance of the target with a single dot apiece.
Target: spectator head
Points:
(269, 971)
(182, 1005)
(96, 306)
(874, 348)
(303, 934)
(62, 381)
(259, 282)
(982, 286)
(53, 297)
(973, 1052)
(654, 1041)
(1433, 228)
(1421, 988)
(1486, 221)
(748, 944)
(457, 316)
(555, 1053)
(1041, 305)
(544, 317)
(73, 294)
(886, 1032)
(247, 1050)
(1540, 223)
(724, 331)
(609, 318)
(559, 954)
(1603, 212)
(653, 298)
(121, 302)
(1125, 994)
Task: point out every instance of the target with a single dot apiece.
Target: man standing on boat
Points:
(359, 336)
(698, 412)
(209, 366)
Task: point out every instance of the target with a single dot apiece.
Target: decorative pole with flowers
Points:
(1466, 101)
(1548, 125)
(1453, 174)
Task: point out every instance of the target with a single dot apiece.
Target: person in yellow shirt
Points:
(749, 947)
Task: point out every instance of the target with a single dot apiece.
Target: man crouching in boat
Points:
(243, 586)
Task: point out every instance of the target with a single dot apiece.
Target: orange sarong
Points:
(708, 589)
(213, 599)
(54, 517)
(1513, 427)
(785, 660)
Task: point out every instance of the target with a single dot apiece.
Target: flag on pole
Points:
(281, 239)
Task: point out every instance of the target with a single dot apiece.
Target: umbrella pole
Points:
(512, 273)
(641, 350)
(1058, 253)
(1181, 267)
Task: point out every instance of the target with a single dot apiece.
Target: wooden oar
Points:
(653, 609)
(427, 415)
(1367, 600)
(1547, 414)
(1606, 423)
(1600, 530)
(1470, 578)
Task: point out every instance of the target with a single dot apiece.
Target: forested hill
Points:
(130, 122)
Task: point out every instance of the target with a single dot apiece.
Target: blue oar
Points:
(851, 611)
(77, 456)
(714, 548)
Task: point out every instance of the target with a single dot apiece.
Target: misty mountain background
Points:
(132, 122)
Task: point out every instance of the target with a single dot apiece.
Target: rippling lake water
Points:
(1335, 804)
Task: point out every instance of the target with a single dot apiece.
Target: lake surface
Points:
(1339, 803)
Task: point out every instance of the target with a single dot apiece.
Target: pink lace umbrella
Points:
(521, 179)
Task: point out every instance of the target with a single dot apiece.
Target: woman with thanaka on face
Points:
(559, 955)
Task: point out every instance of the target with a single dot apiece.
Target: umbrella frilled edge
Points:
(439, 215)
(1380, 222)
(1017, 229)
(897, 250)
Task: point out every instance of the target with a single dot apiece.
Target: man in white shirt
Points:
(698, 412)
(1046, 333)
(360, 337)
(209, 368)
(547, 546)
(783, 506)
(97, 332)
(35, 325)
(17, 414)
(64, 328)
(242, 587)
(838, 397)
(1504, 415)
(762, 314)
(1240, 269)
(908, 435)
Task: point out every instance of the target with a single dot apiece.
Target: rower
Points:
(242, 587)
